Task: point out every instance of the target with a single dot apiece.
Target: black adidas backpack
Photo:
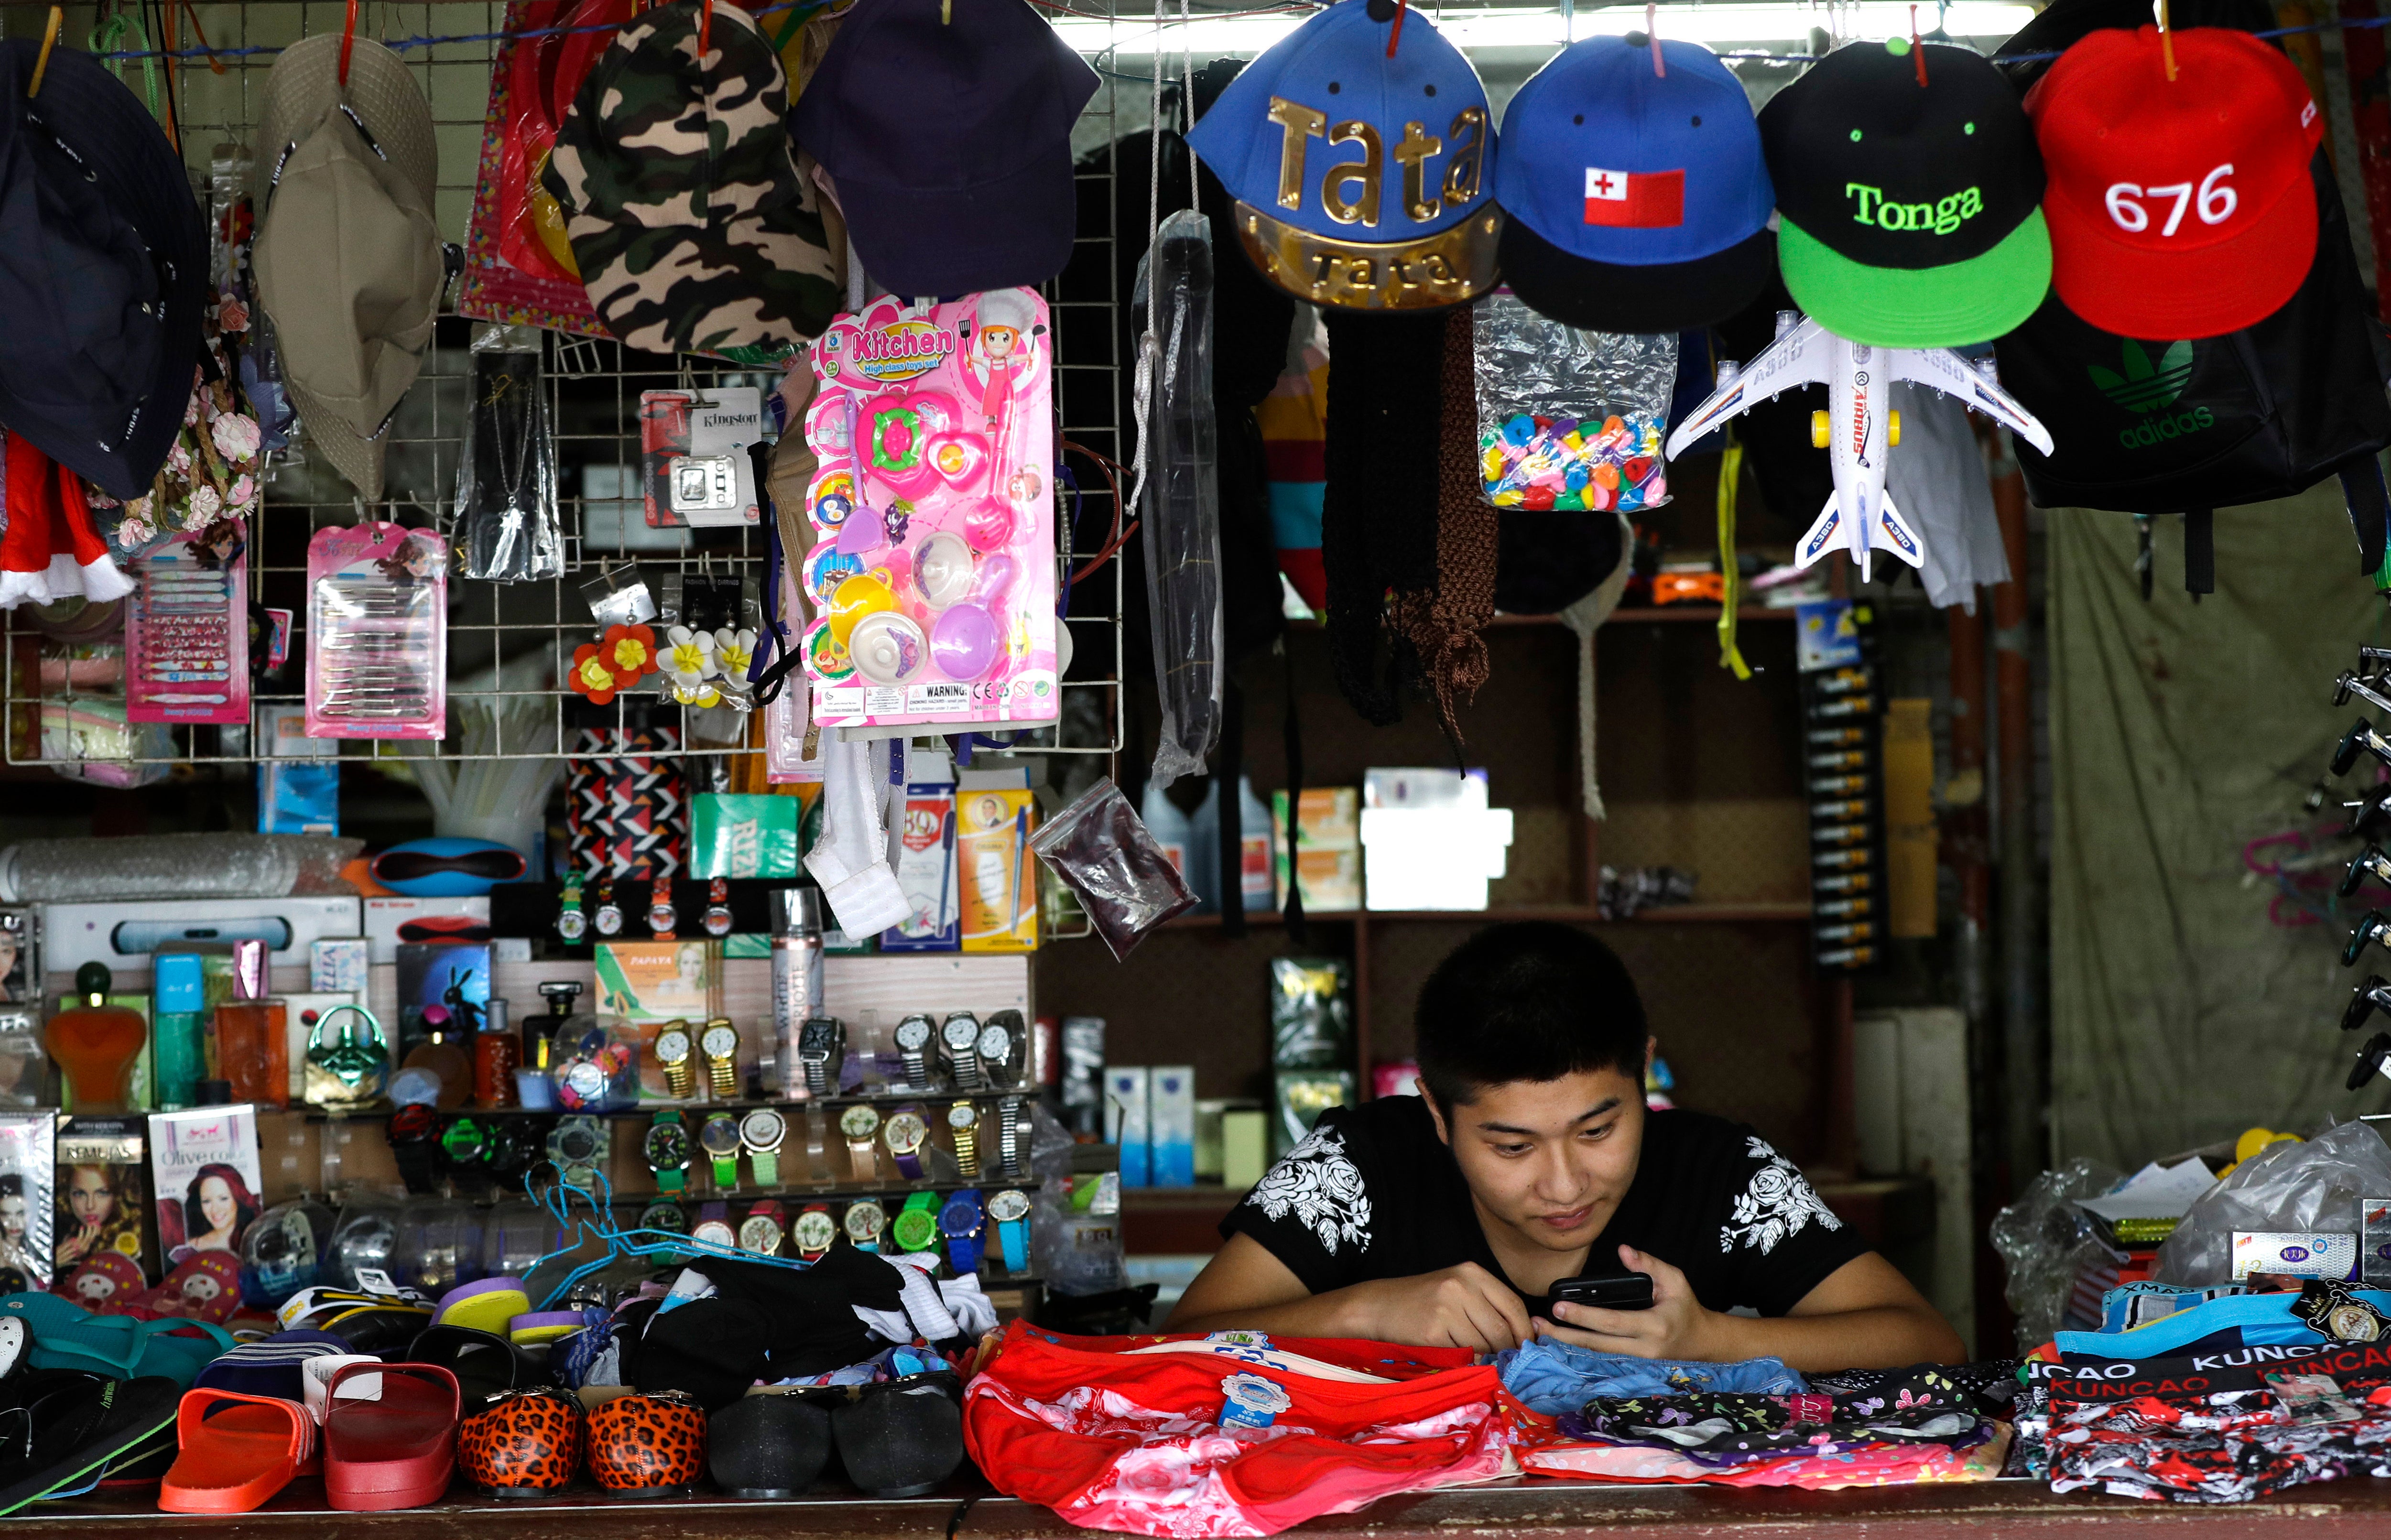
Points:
(2189, 426)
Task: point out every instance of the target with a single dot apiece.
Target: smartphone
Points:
(1608, 1290)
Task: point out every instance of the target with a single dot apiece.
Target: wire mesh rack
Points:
(510, 641)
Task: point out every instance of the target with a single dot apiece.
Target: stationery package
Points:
(186, 630)
(378, 632)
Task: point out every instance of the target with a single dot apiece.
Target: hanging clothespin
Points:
(2166, 40)
(49, 41)
(1917, 47)
(1651, 14)
(348, 40)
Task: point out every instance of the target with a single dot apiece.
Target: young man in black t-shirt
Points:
(1528, 1157)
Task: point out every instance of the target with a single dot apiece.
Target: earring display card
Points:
(377, 633)
(187, 631)
(693, 462)
(28, 1170)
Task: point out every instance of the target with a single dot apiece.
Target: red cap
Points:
(2178, 208)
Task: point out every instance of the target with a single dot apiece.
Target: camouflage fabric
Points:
(692, 228)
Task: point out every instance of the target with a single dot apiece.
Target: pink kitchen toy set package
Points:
(933, 582)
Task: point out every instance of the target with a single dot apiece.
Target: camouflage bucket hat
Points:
(692, 228)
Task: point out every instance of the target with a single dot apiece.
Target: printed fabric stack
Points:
(2231, 1399)
(1600, 1417)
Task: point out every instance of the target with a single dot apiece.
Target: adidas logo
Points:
(2146, 386)
(2149, 388)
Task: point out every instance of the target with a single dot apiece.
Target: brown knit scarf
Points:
(1442, 624)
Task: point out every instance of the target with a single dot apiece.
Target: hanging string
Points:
(109, 36)
(1917, 47)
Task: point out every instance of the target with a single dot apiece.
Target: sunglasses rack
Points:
(510, 644)
(2365, 750)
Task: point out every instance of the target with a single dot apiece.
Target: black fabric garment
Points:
(1373, 1193)
(812, 1327)
(1986, 1386)
(1379, 512)
(711, 1349)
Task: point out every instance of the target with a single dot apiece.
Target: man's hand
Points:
(1463, 1306)
(1676, 1326)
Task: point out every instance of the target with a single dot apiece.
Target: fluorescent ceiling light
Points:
(1722, 26)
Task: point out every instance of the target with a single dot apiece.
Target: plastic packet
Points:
(2045, 1239)
(1182, 509)
(1568, 418)
(378, 632)
(2315, 1186)
(88, 738)
(506, 478)
(1127, 883)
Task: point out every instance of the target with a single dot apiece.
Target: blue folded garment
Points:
(1552, 1376)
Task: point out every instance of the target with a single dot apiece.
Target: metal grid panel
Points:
(504, 639)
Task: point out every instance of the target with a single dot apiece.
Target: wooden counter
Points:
(1989, 1510)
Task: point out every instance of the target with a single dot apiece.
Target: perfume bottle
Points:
(249, 1046)
(179, 1013)
(447, 1063)
(96, 1043)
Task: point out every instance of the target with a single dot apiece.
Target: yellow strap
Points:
(1730, 476)
(49, 41)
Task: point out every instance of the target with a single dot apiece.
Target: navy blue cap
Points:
(103, 276)
(1635, 200)
(1360, 153)
(945, 128)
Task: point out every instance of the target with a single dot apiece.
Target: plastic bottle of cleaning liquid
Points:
(1257, 878)
(1170, 828)
(1204, 849)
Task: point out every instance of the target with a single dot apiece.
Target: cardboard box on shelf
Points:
(1328, 847)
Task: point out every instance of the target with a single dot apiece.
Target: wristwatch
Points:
(913, 1043)
(963, 1122)
(411, 1131)
(1012, 1137)
(720, 1045)
(959, 1044)
(720, 1139)
(865, 1219)
(462, 1142)
(666, 1214)
(661, 915)
(916, 1227)
(906, 1132)
(579, 1146)
(814, 1233)
(1003, 1046)
(667, 1152)
(717, 907)
(679, 1055)
(607, 919)
(822, 1048)
(571, 923)
(1010, 1208)
(714, 1226)
(760, 1231)
(762, 1131)
(960, 1221)
(510, 1150)
(859, 1122)
(817, 1127)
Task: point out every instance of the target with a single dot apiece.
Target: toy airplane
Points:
(1857, 427)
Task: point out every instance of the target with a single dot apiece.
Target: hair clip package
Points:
(186, 630)
(377, 624)
(934, 572)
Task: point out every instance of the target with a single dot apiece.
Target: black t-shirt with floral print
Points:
(1373, 1193)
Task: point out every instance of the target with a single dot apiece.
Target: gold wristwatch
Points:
(720, 1043)
(962, 1121)
(679, 1057)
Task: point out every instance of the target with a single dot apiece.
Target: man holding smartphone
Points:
(1528, 1160)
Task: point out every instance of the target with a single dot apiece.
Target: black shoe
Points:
(767, 1445)
(902, 1437)
(65, 1430)
(487, 1366)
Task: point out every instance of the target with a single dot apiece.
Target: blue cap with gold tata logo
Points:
(1361, 153)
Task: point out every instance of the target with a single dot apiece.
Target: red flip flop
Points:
(236, 1450)
(396, 1450)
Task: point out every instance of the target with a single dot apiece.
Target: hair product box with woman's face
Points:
(98, 1205)
(204, 1169)
(27, 1170)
